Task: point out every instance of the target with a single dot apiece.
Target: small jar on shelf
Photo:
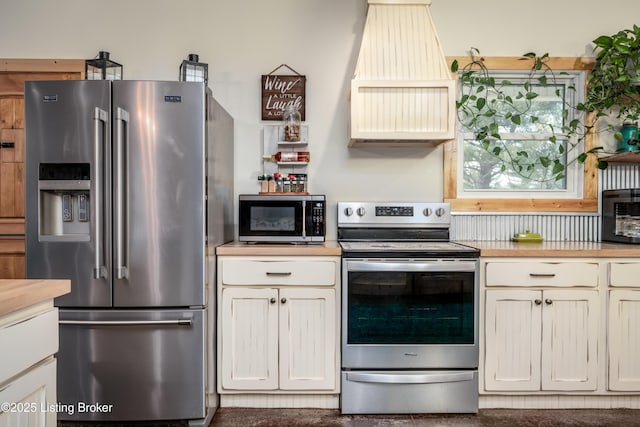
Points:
(291, 121)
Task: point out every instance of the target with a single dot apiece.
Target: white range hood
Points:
(402, 92)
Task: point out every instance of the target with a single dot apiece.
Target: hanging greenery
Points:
(487, 105)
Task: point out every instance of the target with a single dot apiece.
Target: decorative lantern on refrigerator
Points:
(102, 68)
(191, 70)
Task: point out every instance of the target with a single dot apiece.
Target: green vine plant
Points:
(486, 105)
(614, 81)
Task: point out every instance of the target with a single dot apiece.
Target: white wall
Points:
(241, 40)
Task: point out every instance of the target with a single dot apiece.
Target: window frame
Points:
(589, 200)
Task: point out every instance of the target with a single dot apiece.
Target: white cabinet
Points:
(28, 340)
(624, 326)
(278, 325)
(540, 339)
(278, 339)
(30, 398)
(624, 340)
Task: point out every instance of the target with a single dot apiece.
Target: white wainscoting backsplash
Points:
(552, 227)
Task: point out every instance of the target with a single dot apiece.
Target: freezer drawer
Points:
(136, 365)
(409, 392)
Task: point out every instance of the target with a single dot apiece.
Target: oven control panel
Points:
(394, 214)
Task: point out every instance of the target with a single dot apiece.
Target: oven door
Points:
(407, 314)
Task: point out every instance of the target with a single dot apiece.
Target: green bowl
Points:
(527, 236)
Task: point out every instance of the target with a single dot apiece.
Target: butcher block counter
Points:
(329, 248)
(16, 294)
(554, 249)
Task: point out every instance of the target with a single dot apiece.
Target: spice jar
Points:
(291, 120)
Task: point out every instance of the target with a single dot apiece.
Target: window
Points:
(500, 177)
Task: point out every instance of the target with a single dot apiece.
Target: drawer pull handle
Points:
(283, 300)
(272, 300)
(7, 144)
(548, 301)
(542, 275)
(537, 301)
(278, 273)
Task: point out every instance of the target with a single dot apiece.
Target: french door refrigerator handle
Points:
(179, 322)
(100, 118)
(122, 117)
(446, 377)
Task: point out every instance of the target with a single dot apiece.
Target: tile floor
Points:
(247, 417)
(251, 417)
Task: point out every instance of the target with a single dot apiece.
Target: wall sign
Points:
(278, 91)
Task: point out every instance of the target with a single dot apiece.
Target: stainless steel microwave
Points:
(281, 219)
(621, 216)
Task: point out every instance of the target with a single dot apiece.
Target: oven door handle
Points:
(445, 377)
(447, 266)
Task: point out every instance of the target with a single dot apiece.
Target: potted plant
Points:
(613, 88)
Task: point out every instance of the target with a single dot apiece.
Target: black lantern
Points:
(102, 68)
(193, 71)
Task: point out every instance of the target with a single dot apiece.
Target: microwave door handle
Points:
(304, 218)
(122, 146)
(100, 118)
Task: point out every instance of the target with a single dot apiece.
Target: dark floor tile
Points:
(252, 417)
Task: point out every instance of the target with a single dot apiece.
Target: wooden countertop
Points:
(329, 248)
(16, 294)
(551, 249)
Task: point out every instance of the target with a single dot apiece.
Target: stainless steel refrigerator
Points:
(129, 186)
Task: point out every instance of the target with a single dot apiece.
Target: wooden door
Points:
(11, 156)
(512, 340)
(249, 339)
(307, 323)
(13, 74)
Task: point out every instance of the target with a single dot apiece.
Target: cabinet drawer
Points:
(542, 274)
(27, 342)
(244, 272)
(624, 274)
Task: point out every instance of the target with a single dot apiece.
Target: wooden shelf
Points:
(626, 157)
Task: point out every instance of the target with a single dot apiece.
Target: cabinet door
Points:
(249, 339)
(307, 339)
(31, 398)
(624, 340)
(512, 340)
(570, 340)
(11, 156)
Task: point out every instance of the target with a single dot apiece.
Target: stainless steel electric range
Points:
(409, 311)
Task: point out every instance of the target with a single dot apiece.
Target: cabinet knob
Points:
(537, 301)
(548, 301)
(272, 300)
(283, 300)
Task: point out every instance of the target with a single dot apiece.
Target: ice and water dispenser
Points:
(64, 201)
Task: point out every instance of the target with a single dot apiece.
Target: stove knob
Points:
(427, 211)
(440, 211)
(348, 211)
(360, 211)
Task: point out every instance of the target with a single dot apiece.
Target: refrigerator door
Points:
(138, 365)
(159, 187)
(67, 187)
